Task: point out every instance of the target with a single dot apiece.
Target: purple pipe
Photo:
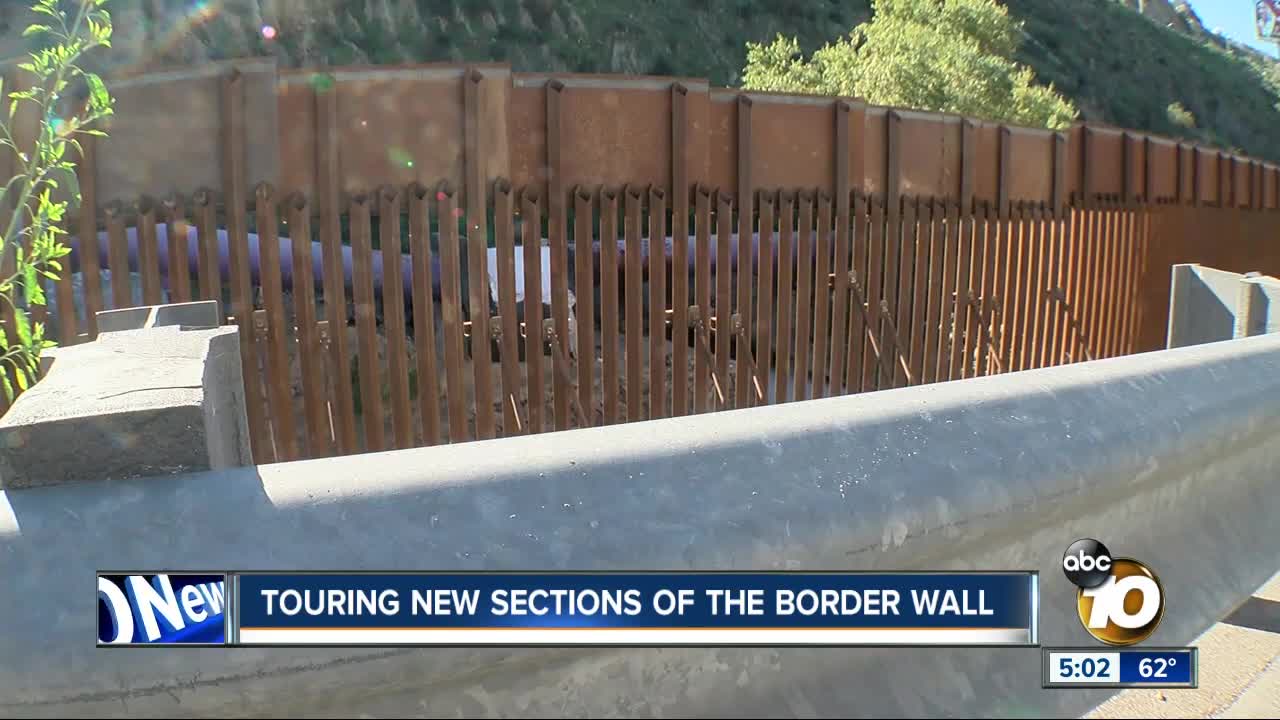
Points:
(255, 264)
(286, 259)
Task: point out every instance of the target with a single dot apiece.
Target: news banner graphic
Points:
(162, 609)
(1120, 601)
(1146, 668)
(647, 609)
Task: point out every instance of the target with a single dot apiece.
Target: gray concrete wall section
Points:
(1259, 307)
(133, 403)
(1204, 305)
(1168, 457)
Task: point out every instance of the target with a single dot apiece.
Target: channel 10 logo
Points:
(1120, 601)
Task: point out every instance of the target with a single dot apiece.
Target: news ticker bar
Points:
(1121, 668)
(652, 609)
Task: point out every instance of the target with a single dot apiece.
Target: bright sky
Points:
(1235, 18)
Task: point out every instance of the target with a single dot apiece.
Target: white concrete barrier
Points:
(1171, 457)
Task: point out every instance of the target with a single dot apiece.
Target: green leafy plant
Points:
(946, 56)
(1180, 115)
(67, 100)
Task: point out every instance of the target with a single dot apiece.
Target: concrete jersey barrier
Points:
(1168, 457)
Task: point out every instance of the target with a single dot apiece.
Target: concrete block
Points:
(200, 314)
(160, 400)
(1259, 306)
(1208, 305)
(1203, 305)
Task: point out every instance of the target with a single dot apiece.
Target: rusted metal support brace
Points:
(1058, 294)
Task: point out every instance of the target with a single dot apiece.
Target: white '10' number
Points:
(1108, 602)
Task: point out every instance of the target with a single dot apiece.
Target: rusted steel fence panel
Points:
(924, 247)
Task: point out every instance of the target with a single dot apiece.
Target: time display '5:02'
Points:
(1076, 667)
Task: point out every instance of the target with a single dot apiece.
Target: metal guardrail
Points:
(1170, 457)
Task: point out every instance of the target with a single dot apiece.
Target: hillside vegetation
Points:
(1162, 73)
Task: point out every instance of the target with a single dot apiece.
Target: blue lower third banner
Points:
(644, 609)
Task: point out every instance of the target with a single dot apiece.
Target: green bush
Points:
(32, 233)
(952, 57)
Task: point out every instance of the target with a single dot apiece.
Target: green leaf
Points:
(98, 96)
(8, 388)
(22, 326)
(21, 374)
(35, 29)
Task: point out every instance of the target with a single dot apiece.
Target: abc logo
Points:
(1120, 601)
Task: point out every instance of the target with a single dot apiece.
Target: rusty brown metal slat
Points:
(1072, 229)
(328, 181)
(981, 312)
(964, 272)
(208, 270)
(148, 253)
(746, 211)
(921, 217)
(722, 314)
(310, 353)
(531, 244)
(451, 313)
(556, 222)
(1085, 311)
(424, 325)
(175, 212)
(842, 262)
(679, 250)
(657, 267)
(892, 277)
(822, 296)
(1053, 283)
(1107, 281)
(786, 294)
(1125, 297)
(393, 320)
(371, 412)
(609, 271)
(906, 275)
(853, 373)
(584, 299)
(634, 303)
(278, 378)
(764, 294)
(875, 377)
(509, 322)
(1111, 277)
(1131, 297)
(950, 260)
(804, 297)
(1045, 279)
(90, 262)
(1015, 237)
(1027, 291)
(235, 202)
